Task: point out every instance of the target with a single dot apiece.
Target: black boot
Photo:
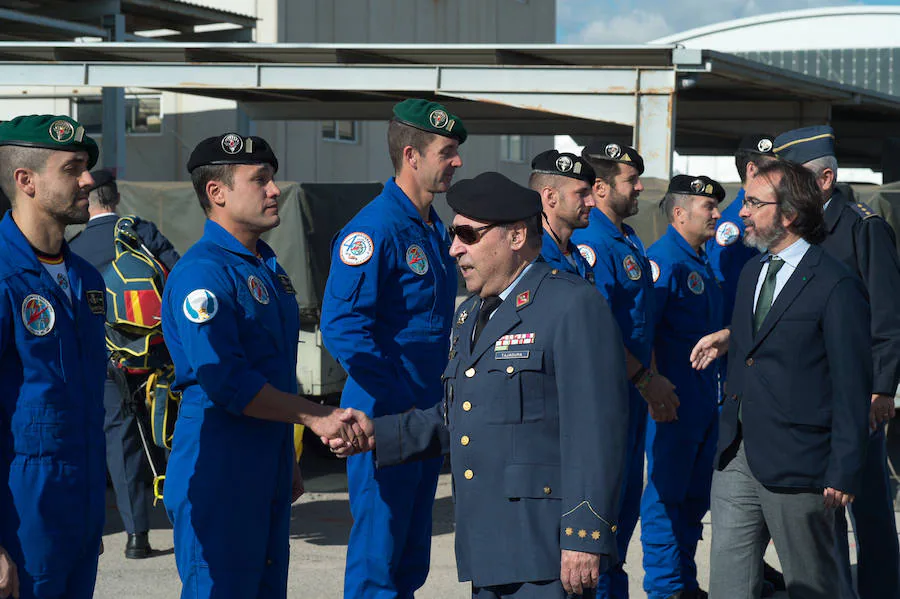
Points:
(138, 546)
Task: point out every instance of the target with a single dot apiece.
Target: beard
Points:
(763, 239)
(624, 206)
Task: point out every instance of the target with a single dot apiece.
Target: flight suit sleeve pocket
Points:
(532, 481)
(345, 287)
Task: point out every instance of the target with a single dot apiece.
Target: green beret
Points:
(431, 117)
(51, 132)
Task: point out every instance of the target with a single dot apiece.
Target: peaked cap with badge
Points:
(808, 143)
(598, 150)
(51, 132)
(697, 186)
(492, 198)
(563, 164)
(758, 143)
(430, 117)
(232, 148)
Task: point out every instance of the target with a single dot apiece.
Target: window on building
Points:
(511, 148)
(345, 131)
(143, 114)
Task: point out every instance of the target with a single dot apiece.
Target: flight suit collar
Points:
(15, 239)
(217, 234)
(681, 243)
(406, 205)
(606, 224)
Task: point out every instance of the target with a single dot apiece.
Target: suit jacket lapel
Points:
(744, 304)
(799, 278)
(833, 214)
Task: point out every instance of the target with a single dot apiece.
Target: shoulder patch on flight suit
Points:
(861, 209)
(727, 233)
(695, 283)
(632, 268)
(356, 249)
(38, 315)
(96, 301)
(200, 305)
(588, 253)
(258, 290)
(654, 271)
(416, 259)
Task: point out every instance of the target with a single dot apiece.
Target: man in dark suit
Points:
(534, 399)
(124, 452)
(864, 242)
(793, 428)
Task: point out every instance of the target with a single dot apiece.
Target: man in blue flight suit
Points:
(688, 305)
(124, 450)
(231, 324)
(536, 485)
(564, 182)
(864, 242)
(622, 274)
(52, 366)
(727, 254)
(386, 318)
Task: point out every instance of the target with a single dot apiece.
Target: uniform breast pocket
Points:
(519, 376)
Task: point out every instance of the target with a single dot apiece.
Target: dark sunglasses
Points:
(469, 234)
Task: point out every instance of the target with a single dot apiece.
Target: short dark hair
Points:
(798, 196)
(400, 135)
(107, 196)
(202, 175)
(605, 170)
(743, 157)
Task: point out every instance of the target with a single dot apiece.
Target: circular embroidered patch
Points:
(588, 253)
(727, 233)
(356, 249)
(38, 315)
(695, 283)
(258, 289)
(416, 259)
(200, 305)
(632, 268)
(654, 271)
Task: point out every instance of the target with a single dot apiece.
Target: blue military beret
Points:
(231, 148)
(802, 145)
(492, 198)
(758, 143)
(613, 152)
(563, 164)
(697, 186)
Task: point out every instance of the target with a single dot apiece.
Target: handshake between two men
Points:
(347, 432)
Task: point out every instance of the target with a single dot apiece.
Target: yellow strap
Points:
(158, 483)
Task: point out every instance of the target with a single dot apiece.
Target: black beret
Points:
(563, 164)
(492, 198)
(697, 186)
(758, 143)
(231, 148)
(104, 176)
(613, 152)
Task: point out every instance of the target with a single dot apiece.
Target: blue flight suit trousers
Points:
(391, 505)
(679, 480)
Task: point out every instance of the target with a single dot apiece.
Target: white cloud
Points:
(637, 21)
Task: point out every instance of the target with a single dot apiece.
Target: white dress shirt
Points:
(792, 255)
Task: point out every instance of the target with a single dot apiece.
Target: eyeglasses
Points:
(469, 234)
(755, 204)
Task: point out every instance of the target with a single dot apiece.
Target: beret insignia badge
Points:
(232, 143)
(564, 164)
(62, 131)
(438, 119)
(697, 186)
(764, 145)
(613, 151)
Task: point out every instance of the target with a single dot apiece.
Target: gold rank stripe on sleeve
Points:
(587, 504)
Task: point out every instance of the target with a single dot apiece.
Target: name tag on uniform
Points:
(286, 284)
(511, 355)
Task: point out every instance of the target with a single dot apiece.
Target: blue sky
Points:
(636, 21)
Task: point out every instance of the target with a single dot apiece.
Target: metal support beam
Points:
(654, 128)
(113, 102)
